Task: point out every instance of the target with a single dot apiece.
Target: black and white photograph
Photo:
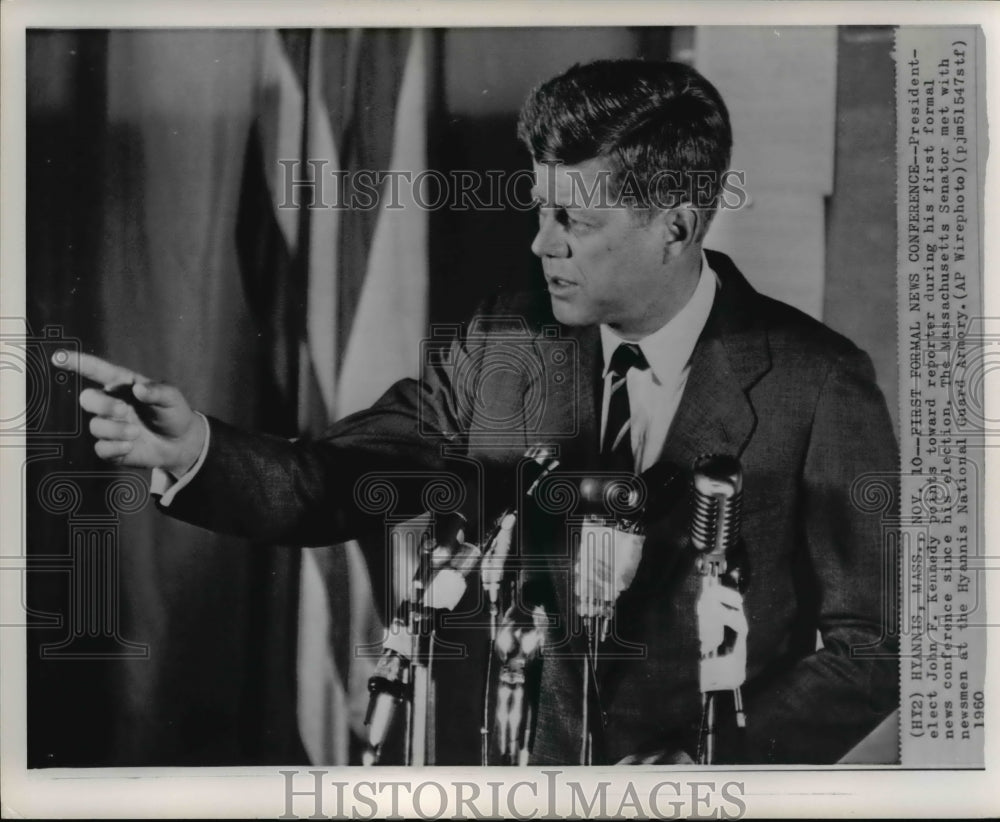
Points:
(469, 400)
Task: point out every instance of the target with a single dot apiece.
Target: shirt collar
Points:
(668, 349)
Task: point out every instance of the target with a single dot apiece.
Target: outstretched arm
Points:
(260, 486)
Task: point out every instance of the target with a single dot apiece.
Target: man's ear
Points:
(681, 227)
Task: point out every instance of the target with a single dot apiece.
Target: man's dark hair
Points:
(663, 127)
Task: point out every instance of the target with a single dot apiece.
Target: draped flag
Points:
(347, 291)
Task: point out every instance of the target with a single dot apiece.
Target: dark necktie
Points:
(616, 449)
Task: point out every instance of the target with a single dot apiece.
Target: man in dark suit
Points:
(643, 349)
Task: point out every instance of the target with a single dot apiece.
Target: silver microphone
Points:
(715, 534)
(718, 503)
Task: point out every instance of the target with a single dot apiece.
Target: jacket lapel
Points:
(716, 415)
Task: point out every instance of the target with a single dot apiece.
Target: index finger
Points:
(94, 368)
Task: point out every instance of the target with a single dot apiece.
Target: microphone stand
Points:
(418, 752)
(597, 599)
(421, 629)
(499, 587)
(598, 595)
(597, 557)
(404, 673)
(421, 703)
(492, 575)
(611, 544)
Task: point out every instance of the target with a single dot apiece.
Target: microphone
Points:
(438, 584)
(540, 461)
(436, 557)
(717, 484)
(718, 502)
(609, 547)
(611, 539)
(389, 686)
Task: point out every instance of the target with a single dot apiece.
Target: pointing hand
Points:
(137, 422)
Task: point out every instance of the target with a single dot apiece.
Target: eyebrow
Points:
(537, 198)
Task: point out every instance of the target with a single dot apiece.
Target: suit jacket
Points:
(794, 401)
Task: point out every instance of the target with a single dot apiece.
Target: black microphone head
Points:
(718, 475)
(634, 500)
(449, 528)
(611, 497)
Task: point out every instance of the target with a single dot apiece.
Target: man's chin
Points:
(568, 314)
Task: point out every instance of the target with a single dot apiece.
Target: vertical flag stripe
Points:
(280, 124)
(367, 290)
(267, 233)
(367, 145)
(389, 320)
(324, 720)
(323, 244)
(391, 313)
(336, 61)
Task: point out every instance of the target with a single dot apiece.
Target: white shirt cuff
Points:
(165, 485)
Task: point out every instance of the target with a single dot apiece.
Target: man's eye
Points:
(564, 218)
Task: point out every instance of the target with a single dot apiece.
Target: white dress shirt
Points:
(654, 393)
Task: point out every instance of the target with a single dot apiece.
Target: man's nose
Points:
(549, 241)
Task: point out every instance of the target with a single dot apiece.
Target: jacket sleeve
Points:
(307, 491)
(828, 701)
